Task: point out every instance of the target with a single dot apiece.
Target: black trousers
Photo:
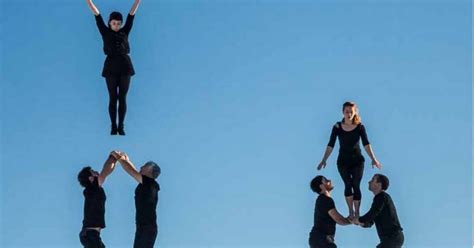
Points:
(393, 241)
(145, 236)
(319, 240)
(351, 170)
(91, 239)
(118, 89)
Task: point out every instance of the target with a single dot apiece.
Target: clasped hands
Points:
(119, 155)
(354, 220)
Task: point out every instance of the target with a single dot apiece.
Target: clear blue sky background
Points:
(235, 100)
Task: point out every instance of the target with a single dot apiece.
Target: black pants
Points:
(393, 241)
(118, 88)
(319, 240)
(351, 170)
(91, 239)
(145, 236)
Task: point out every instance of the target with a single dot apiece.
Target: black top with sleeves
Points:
(323, 222)
(94, 206)
(117, 48)
(146, 199)
(349, 147)
(383, 214)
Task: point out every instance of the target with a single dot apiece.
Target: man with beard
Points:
(325, 215)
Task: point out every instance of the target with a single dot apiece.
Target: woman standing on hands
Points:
(350, 162)
(118, 67)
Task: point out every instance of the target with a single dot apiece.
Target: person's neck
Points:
(347, 121)
(376, 192)
(327, 193)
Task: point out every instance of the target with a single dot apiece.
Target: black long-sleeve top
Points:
(348, 140)
(384, 214)
(116, 47)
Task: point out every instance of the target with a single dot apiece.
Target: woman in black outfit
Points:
(350, 162)
(118, 67)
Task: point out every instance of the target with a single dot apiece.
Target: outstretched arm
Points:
(93, 8)
(128, 166)
(377, 206)
(338, 218)
(109, 166)
(134, 7)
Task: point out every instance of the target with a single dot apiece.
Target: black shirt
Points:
(146, 199)
(384, 214)
(323, 223)
(348, 140)
(94, 206)
(116, 47)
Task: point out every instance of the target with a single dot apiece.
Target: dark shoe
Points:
(113, 130)
(121, 130)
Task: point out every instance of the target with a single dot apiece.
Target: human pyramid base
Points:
(118, 70)
(350, 164)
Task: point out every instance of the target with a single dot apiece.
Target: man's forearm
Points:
(109, 166)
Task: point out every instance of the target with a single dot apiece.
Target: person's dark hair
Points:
(356, 120)
(83, 176)
(383, 180)
(155, 169)
(115, 16)
(315, 184)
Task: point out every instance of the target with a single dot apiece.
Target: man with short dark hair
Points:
(384, 214)
(325, 215)
(146, 199)
(94, 204)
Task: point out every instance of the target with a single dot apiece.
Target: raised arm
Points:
(109, 166)
(93, 8)
(134, 8)
(338, 218)
(128, 166)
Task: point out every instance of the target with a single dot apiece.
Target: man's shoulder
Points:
(150, 181)
(324, 199)
(382, 196)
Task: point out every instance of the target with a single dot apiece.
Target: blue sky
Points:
(235, 100)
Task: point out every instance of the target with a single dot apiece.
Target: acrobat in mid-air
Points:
(118, 68)
(350, 162)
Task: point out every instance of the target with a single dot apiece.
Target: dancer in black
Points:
(146, 199)
(384, 214)
(325, 215)
(118, 68)
(94, 204)
(350, 162)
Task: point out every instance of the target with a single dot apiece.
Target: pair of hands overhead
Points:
(375, 163)
(118, 155)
